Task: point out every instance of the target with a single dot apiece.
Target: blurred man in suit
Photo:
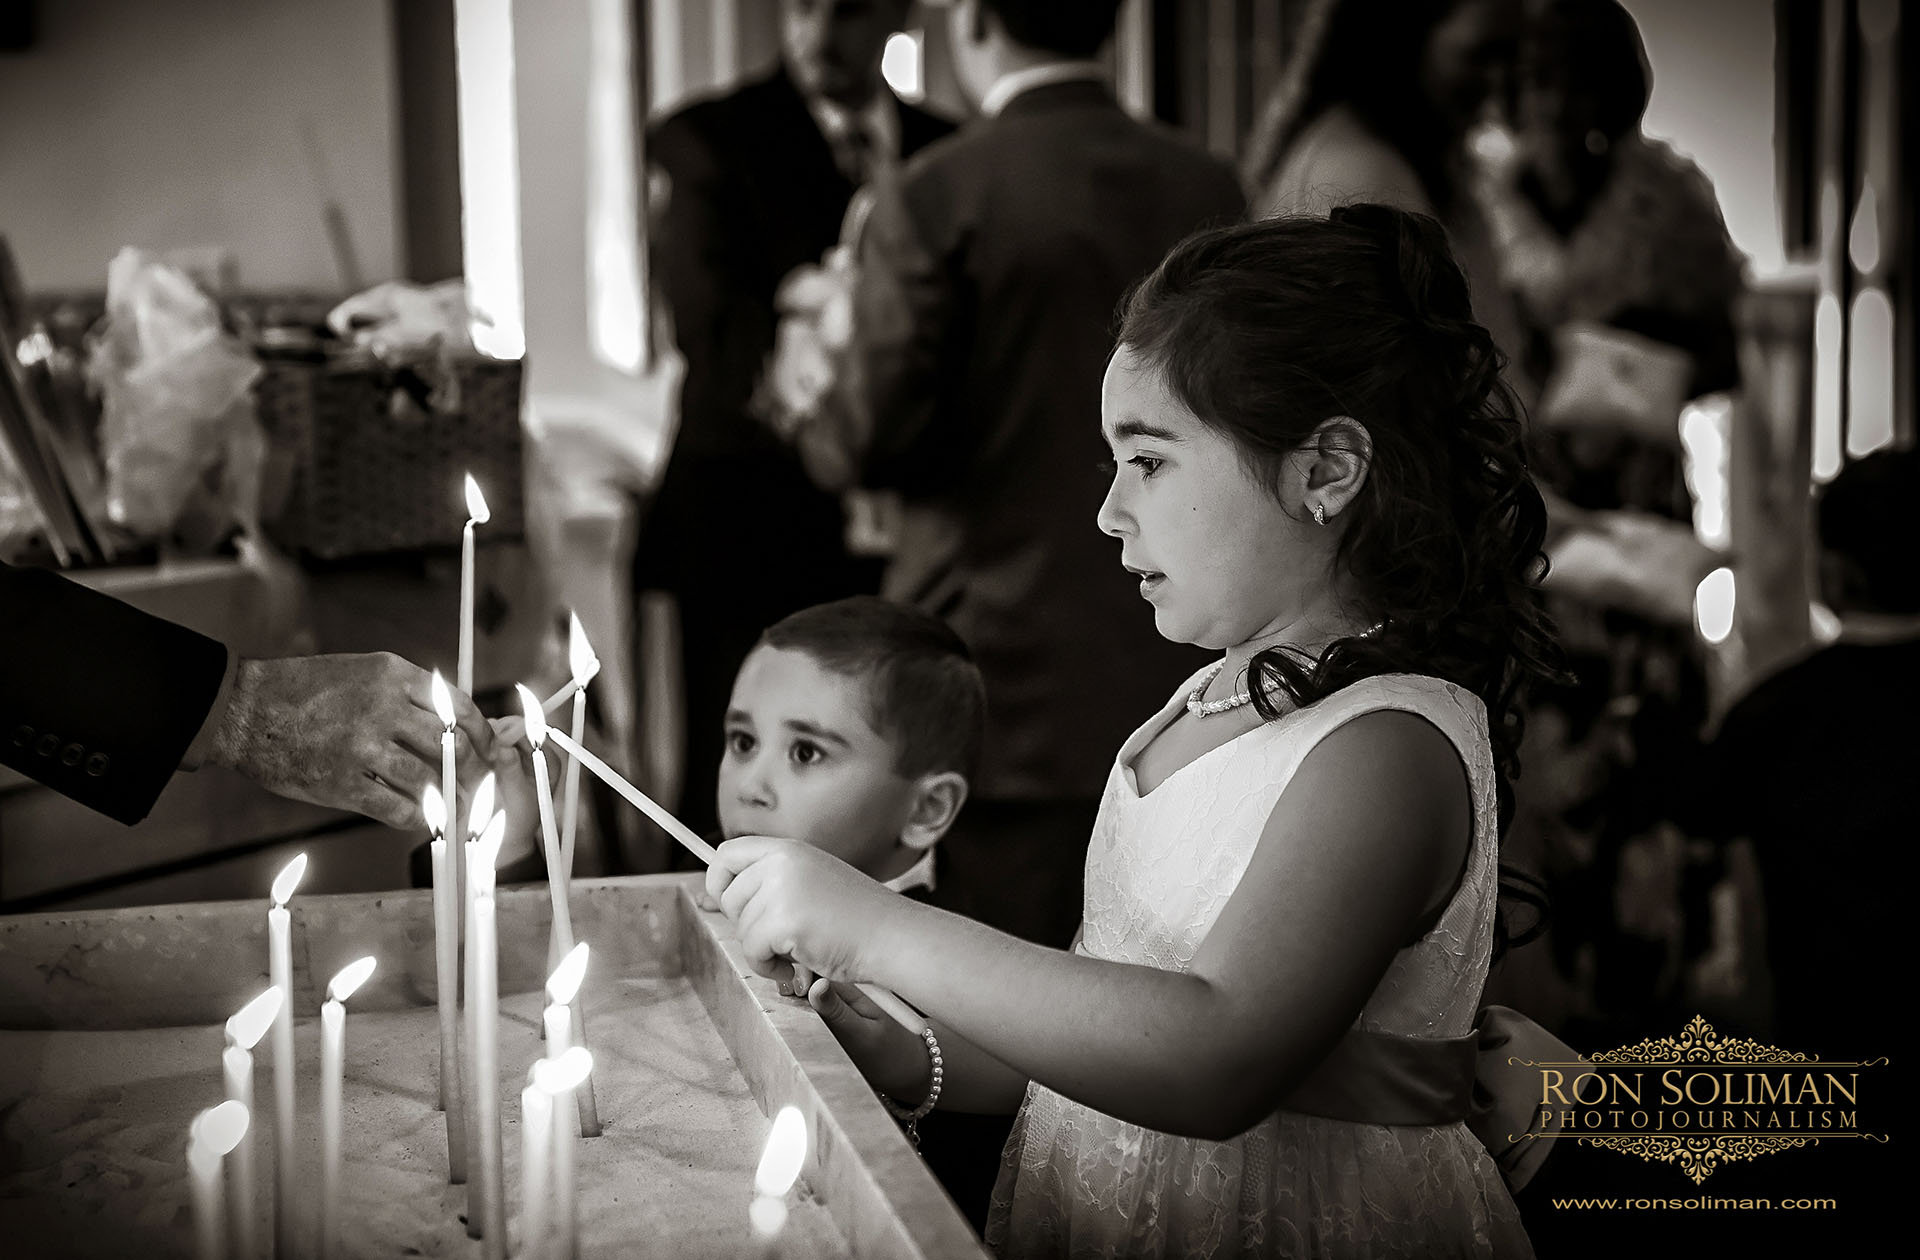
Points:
(756, 182)
(102, 703)
(986, 288)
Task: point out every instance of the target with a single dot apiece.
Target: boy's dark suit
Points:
(736, 531)
(98, 700)
(985, 312)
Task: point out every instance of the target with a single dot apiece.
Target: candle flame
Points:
(536, 716)
(566, 978)
(580, 657)
(433, 807)
(481, 811)
(557, 1076)
(442, 700)
(476, 503)
(217, 1130)
(350, 978)
(289, 879)
(250, 1023)
(786, 1152)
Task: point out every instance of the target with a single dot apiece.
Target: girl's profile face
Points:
(1218, 558)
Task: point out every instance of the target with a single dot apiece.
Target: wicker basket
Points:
(349, 474)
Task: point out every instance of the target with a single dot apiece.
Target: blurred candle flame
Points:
(250, 1023)
(566, 978)
(350, 978)
(289, 879)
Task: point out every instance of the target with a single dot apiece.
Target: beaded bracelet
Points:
(912, 1117)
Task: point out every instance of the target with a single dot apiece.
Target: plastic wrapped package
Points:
(178, 433)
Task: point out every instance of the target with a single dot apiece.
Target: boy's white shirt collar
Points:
(919, 875)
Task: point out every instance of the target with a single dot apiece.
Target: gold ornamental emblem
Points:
(1702, 1100)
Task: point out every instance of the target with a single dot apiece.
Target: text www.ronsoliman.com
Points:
(1701, 1204)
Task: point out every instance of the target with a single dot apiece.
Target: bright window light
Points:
(613, 202)
(490, 175)
(1713, 606)
(1870, 373)
(902, 64)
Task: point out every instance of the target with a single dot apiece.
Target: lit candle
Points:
(557, 876)
(487, 1219)
(213, 1133)
(886, 999)
(333, 1058)
(477, 514)
(536, 1145)
(583, 665)
(479, 817)
(450, 791)
(559, 1077)
(780, 1164)
(446, 974)
(562, 1018)
(280, 975)
(244, 1031)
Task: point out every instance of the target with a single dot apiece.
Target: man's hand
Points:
(350, 732)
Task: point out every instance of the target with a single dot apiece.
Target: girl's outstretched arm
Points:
(1364, 846)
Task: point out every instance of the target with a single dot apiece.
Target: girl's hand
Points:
(893, 1060)
(796, 906)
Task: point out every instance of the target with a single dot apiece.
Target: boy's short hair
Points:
(1067, 28)
(924, 692)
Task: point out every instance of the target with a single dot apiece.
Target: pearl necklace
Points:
(1207, 708)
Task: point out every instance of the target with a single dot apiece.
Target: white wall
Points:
(168, 123)
(1713, 87)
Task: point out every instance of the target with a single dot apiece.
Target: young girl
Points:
(1261, 1043)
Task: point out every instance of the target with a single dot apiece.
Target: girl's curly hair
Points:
(1263, 331)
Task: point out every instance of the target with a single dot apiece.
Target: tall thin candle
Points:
(486, 1052)
(280, 975)
(244, 1030)
(477, 515)
(582, 664)
(450, 791)
(558, 1077)
(333, 1056)
(213, 1133)
(557, 875)
(536, 1149)
(479, 818)
(446, 974)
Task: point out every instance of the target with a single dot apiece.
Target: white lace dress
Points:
(1076, 1182)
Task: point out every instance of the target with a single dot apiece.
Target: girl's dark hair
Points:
(1264, 330)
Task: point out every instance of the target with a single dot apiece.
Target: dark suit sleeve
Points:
(98, 700)
(903, 317)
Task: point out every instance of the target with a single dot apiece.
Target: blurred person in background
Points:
(755, 182)
(1621, 276)
(1814, 767)
(987, 283)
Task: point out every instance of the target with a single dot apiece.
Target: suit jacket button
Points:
(97, 764)
(49, 744)
(72, 755)
(23, 735)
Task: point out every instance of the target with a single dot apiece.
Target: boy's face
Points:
(802, 761)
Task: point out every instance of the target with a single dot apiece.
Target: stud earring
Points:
(1319, 514)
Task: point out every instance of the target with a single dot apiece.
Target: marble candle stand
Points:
(110, 1035)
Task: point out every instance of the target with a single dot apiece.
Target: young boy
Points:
(855, 726)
